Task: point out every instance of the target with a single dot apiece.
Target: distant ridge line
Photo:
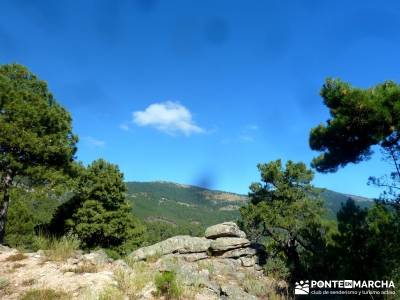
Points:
(183, 185)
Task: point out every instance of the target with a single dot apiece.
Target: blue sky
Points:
(199, 92)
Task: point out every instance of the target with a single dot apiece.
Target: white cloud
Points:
(252, 127)
(91, 141)
(169, 117)
(246, 138)
(124, 127)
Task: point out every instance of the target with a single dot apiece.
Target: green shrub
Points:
(4, 282)
(111, 253)
(40, 242)
(395, 276)
(20, 225)
(276, 268)
(157, 231)
(98, 213)
(167, 285)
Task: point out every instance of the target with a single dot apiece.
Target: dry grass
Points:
(154, 258)
(131, 282)
(84, 268)
(16, 257)
(276, 296)
(29, 282)
(62, 249)
(265, 289)
(10, 270)
(111, 293)
(190, 292)
(45, 294)
(18, 265)
(255, 286)
(130, 261)
(207, 265)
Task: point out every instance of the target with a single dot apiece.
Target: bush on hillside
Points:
(98, 213)
(167, 285)
(20, 227)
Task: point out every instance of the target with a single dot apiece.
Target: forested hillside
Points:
(179, 204)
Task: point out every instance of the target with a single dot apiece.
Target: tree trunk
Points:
(4, 206)
(294, 262)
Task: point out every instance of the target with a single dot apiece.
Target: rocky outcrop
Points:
(235, 253)
(223, 241)
(98, 257)
(225, 244)
(181, 244)
(226, 229)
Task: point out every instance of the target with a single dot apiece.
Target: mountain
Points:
(333, 201)
(182, 204)
(179, 204)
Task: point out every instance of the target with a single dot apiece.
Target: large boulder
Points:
(192, 257)
(248, 261)
(188, 257)
(181, 244)
(98, 257)
(235, 253)
(227, 243)
(226, 229)
(226, 266)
